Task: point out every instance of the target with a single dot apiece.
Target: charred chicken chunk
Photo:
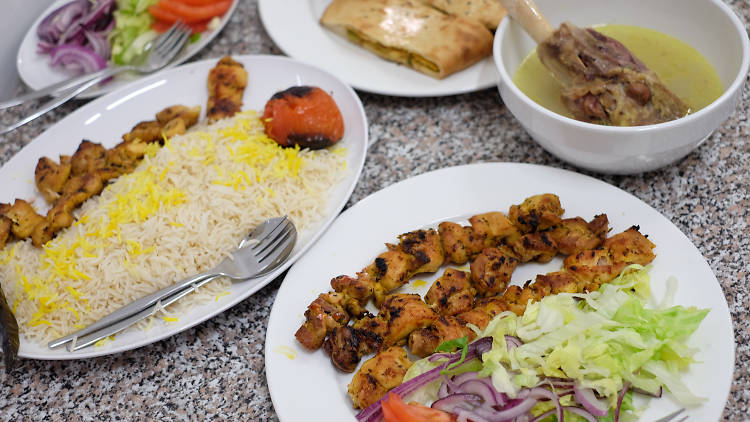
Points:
(460, 243)
(493, 227)
(630, 247)
(226, 84)
(537, 246)
(88, 158)
(484, 310)
(424, 341)
(378, 375)
(356, 291)
(5, 230)
(188, 115)
(323, 315)
(402, 314)
(23, 218)
(346, 345)
(601, 265)
(390, 270)
(535, 213)
(559, 282)
(148, 131)
(50, 177)
(425, 247)
(573, 235)
(491, 271)
(451, 293)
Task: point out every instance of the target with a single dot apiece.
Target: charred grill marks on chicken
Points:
(496, 244)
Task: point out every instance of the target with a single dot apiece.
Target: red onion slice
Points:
(587, 398)
(619, 400)
(77, 58)
(52, 26)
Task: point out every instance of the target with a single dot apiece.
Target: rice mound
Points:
(185, 208)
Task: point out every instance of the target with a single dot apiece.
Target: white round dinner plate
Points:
(105, 119)
(294, 27)
(36, 72)
(306, 386)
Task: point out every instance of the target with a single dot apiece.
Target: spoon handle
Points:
(531, 19)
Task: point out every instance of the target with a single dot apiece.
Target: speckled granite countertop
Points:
(217, 368)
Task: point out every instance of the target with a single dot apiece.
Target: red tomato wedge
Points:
(171, 10)
(161, 26)
(395, 410)
(198, 2)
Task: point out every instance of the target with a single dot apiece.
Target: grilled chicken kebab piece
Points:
(602, 81)
(71, 181)
(226, 85)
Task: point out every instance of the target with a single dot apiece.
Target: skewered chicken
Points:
(456, 299)
(76, 178)
(226, 84)
(584, 272)
(426, 250)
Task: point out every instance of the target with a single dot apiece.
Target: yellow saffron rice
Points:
(184, 209)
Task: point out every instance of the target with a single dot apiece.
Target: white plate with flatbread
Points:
(294, 27)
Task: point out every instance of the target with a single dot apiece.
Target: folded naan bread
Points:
(488, 12)
(411, 33)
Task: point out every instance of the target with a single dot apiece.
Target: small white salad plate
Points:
(36, 72)
(294, 27)
(105, 119)
(306, 386)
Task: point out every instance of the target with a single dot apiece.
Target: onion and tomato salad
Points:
(84, 36)
(568, 357)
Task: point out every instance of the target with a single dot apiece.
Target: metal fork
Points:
(162, 51)
(261, 252)
(672, 417)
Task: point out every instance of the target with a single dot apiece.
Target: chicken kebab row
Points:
(495, 244)
(71, 181)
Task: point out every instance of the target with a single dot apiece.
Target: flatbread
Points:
(488, 12)
(411, 33)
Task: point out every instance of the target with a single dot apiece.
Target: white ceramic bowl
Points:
(709, 26)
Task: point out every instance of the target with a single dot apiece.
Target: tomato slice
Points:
(396, 410)
(192, 14)
(161, 26)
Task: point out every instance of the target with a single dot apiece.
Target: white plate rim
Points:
(360, 68)
(27, 59)
(285, 318)
(356, 141)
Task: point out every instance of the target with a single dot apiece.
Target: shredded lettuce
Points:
(600, 339)
(132, 30)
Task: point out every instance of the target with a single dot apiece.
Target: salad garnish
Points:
(569, 355)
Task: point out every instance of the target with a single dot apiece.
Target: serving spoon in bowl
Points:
(267, 247)
(602, 81)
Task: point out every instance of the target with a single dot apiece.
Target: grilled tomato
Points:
(303, 115)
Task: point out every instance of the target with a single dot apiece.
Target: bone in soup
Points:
(685, 71)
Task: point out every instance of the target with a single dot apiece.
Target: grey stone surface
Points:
(216, 369)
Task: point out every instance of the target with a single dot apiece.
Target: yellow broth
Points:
(680, 67)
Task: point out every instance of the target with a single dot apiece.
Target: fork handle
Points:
(58, 88)
(56, 102)
(135, 307)
(95, 336)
